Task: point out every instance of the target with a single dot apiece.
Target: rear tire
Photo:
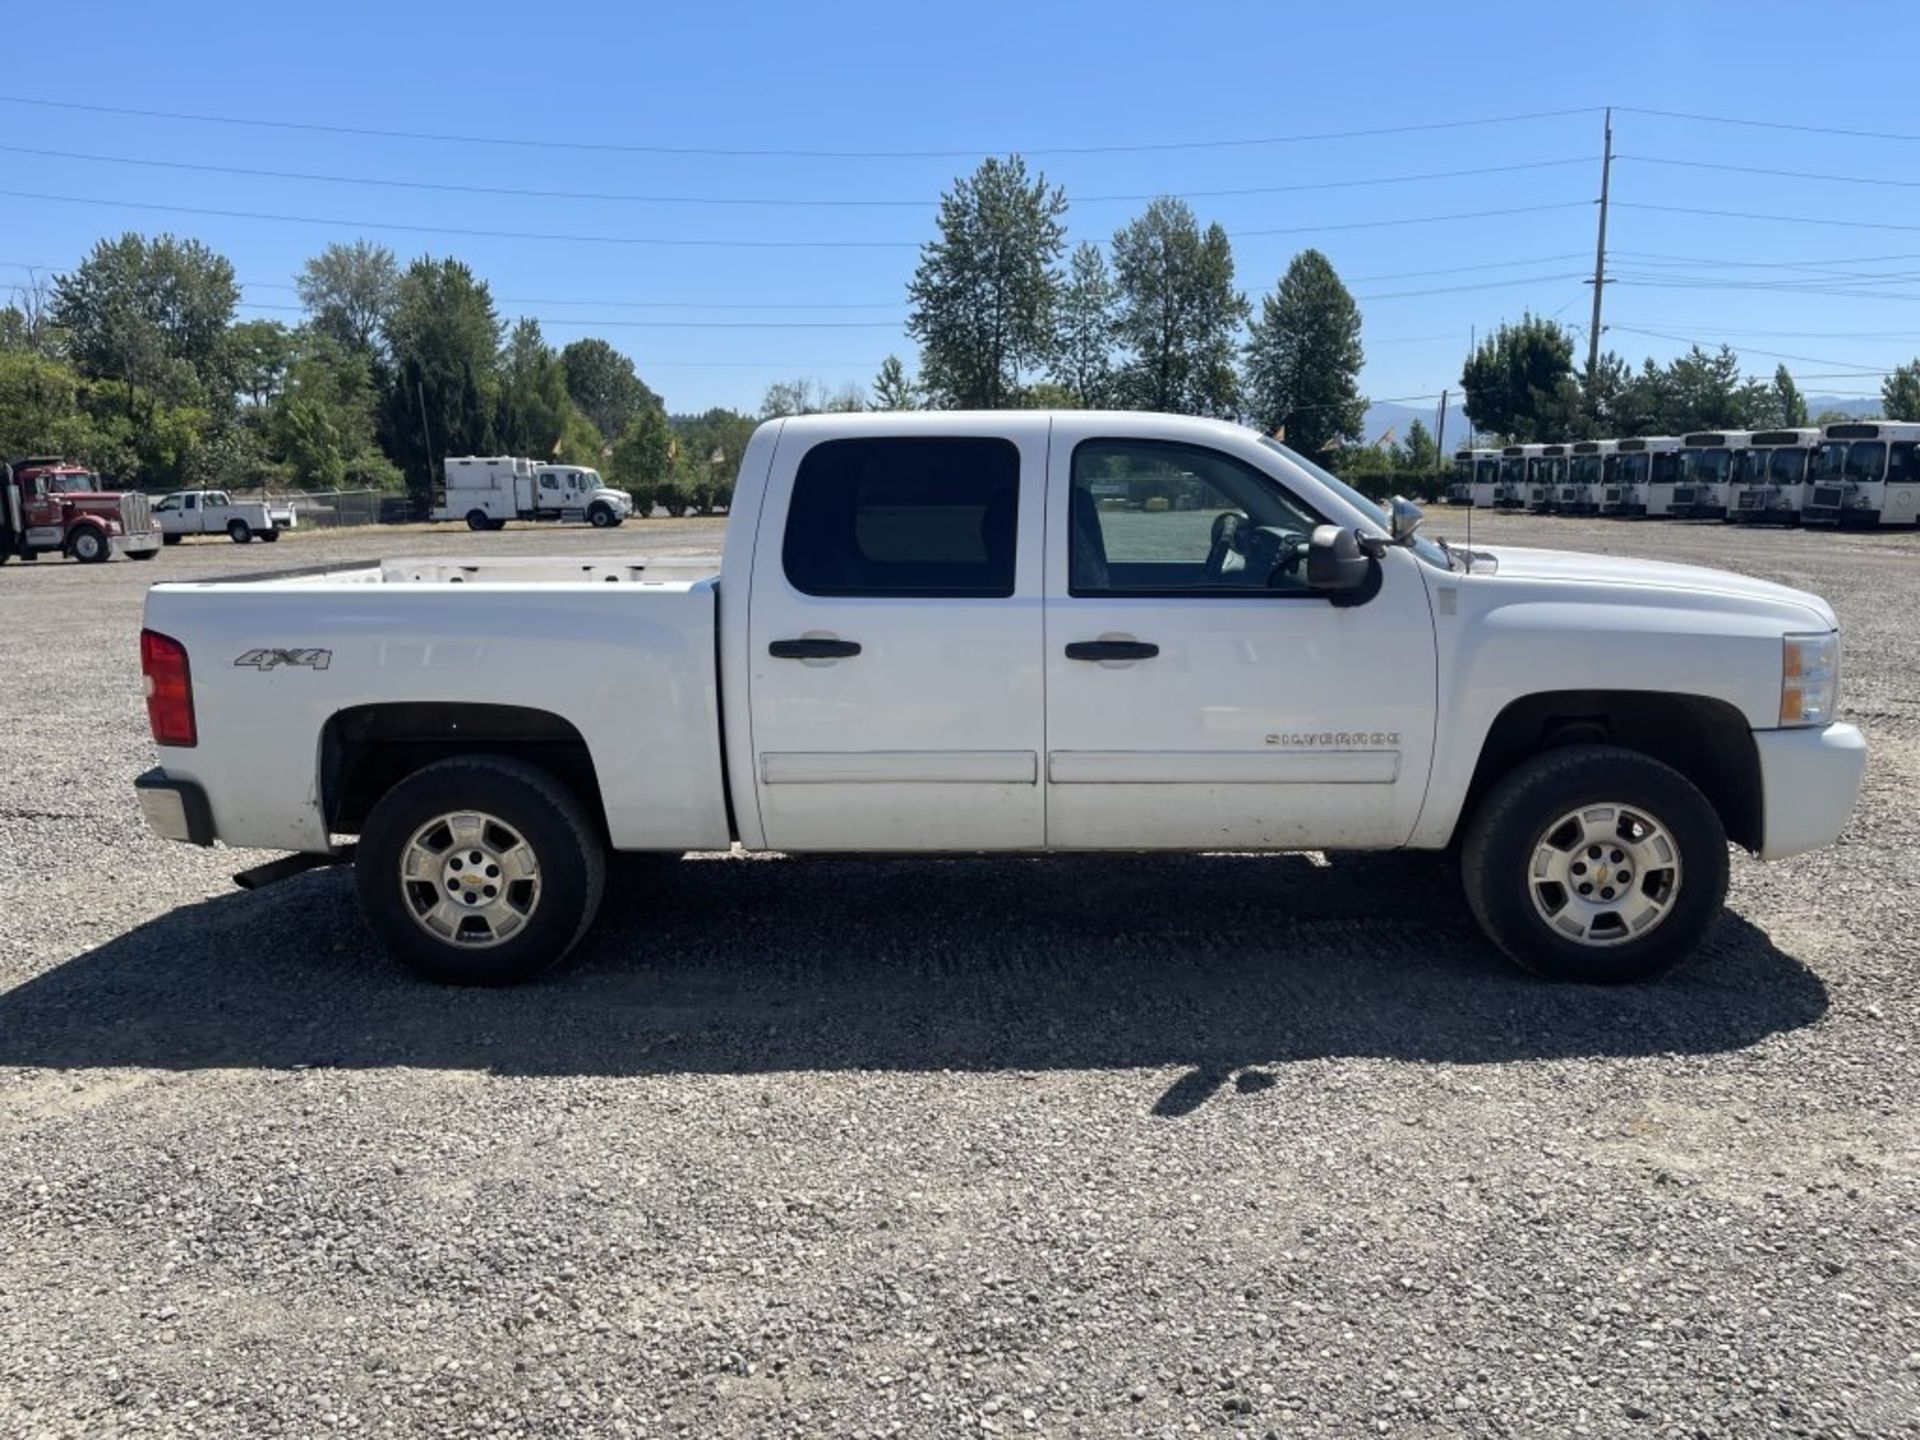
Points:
(477, 520)
(270, 536)
(141, 554)
(416, 876)
(239, 532)
(169, 539)
(1550, 857)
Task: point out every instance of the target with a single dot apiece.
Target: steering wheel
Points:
(1285, 552)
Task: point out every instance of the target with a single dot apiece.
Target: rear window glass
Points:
(905, 517)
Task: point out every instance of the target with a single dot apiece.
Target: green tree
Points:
(1304, 358)
(807, 395)
(257, 355)
(982, 298)
(534, 405)
(444, 337)
(149, 315)
(1784, 407)
(39, 404)
(1519, 381)
(1422, 455)
(1707, 392)
(1900, 392)
(27, 321)
(322, 426)
(643, 457)
(350, 292)
(1084, 330)
(707, 456)
(604, 384)
(1178, 314)
(893, 388)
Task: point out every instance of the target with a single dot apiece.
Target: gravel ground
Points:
(1094, 1147)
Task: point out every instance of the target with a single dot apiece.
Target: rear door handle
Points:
(813, 649)
(1112, 650)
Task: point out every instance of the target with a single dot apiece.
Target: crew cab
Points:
(215, 512)
(1009, 632)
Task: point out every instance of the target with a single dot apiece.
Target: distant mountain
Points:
(1384, 415)
(1846, 404)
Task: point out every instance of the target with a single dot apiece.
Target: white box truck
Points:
(489, 490)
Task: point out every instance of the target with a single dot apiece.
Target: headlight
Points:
(1809, 678)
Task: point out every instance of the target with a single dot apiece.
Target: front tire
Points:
(600, 515)
(479, 870)
(141, 554)
(1595, 863)
(169, 538)
(239, 532)
(90, 547)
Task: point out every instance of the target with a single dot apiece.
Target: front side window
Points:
(1151, 517)
(935, 517)
(1900, 462)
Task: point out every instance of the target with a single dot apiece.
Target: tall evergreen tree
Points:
(1178, 312)
(444, 336)
(1304, 359)
(1900, 393)
(1519, 382)
(982, 299)
(349, 292)
(1084, 333)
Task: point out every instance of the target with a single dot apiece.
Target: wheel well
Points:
(367, 750)
(1706, 740)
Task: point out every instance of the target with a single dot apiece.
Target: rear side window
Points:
(905, 517)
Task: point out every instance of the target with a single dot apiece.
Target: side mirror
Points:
(1404, 518)
(1335, 560)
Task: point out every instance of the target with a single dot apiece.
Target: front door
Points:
(1199, 694)
(894, 638)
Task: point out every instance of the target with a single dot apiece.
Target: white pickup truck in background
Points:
(215, 512)
(1010, 632)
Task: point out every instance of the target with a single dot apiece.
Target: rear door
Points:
(894, 636)
(1199, 694)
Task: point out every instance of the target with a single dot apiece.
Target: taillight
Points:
(163, 660)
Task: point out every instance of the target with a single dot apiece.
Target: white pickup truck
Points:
(1011, 632)
(215, 512)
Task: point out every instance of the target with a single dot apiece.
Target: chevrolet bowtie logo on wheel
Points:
(274, 659)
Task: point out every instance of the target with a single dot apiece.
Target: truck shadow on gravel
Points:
(1225, 965)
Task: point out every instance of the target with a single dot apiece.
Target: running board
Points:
(288, 866)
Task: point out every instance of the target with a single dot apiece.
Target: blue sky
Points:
(713, 324)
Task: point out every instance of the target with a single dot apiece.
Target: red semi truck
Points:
(53, 506)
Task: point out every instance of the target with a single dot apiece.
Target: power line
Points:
(1751, 350)
(628, 148)
(1767, 124)
(447, 187)
(663, 324)
(1464, 269)
(1410, 219)
(690, 243)
(1771, 219)
(707, 242)
(1778, 174)
(1459, 289)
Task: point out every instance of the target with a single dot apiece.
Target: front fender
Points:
(1509, 651)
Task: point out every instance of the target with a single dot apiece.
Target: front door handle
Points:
(813, 649)
(1112, 650)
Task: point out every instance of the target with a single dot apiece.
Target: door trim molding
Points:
(1223, 767)
(895, 767)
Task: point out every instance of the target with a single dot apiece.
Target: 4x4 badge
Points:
(274, 659)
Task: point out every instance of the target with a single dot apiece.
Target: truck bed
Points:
(621, 651)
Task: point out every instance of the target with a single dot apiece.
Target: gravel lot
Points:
(1090, 1147)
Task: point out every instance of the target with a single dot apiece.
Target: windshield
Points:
(1486, 472)
(1585, 470)
(1866, 460)
(1705, 467)
(1787, 466)
(1426, 549)
(1632, 469)
(1750, 466)
(1831, 460)
(1513, 470)
(70, 482)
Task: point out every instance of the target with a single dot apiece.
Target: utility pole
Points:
(1600, 254)
(1440, 434)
